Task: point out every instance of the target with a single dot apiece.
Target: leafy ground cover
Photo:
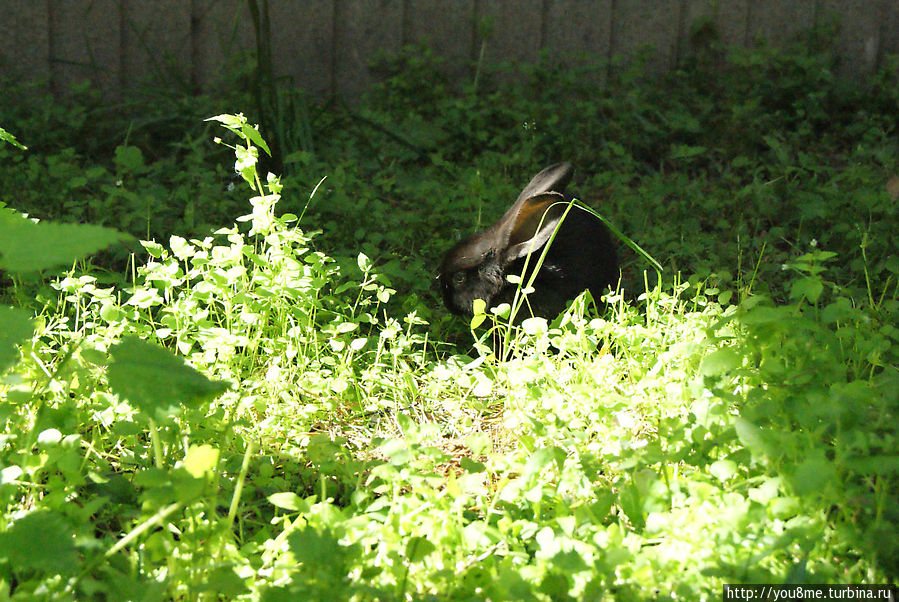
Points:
(275, 405)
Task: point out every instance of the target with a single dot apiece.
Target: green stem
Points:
(238, 487)
(151, 522)
(156, 443)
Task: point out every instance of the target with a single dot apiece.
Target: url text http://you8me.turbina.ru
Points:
(824, 593)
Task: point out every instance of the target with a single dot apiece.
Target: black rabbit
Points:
(580, 257)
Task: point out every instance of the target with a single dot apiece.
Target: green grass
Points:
(277, 405)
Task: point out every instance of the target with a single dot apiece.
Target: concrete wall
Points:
(325, 45)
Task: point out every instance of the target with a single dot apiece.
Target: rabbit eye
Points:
(458, 278)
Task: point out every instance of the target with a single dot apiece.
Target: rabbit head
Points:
(580, 257)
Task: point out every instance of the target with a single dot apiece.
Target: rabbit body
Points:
(581, 256)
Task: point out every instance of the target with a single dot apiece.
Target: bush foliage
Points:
(275, 405)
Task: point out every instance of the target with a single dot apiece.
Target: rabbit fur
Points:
(581, 256)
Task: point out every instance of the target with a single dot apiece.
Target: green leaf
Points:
(129, 158)
(118, 488)
(154, 249)
(181, 248)
(41, 541)
(239, 125)
(287, 500)
(201, 460)
(723, 469)
(224, 581)
(812, 475)
(315, 549)
(540, 459)
(874, 465)
(253, 135)
(230, 121)
(49, 437)
(631, 503)
(478, 443)
(469, 465)
(7, 137)
(809, 287)
(682, 151)
(751, 436)
(345, 327)
(534, 326)
(785, 507)
(556, 586)
(720, 362)
(418, 548)
(10, 474)
(154, 380)
(15, 328)
(28, 247)
(110, 313)
(479, 316)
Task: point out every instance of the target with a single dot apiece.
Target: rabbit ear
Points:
(553, 178)
(513, 232)
(470, 252)
(526, 232)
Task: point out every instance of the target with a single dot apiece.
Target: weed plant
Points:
(272, 409)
